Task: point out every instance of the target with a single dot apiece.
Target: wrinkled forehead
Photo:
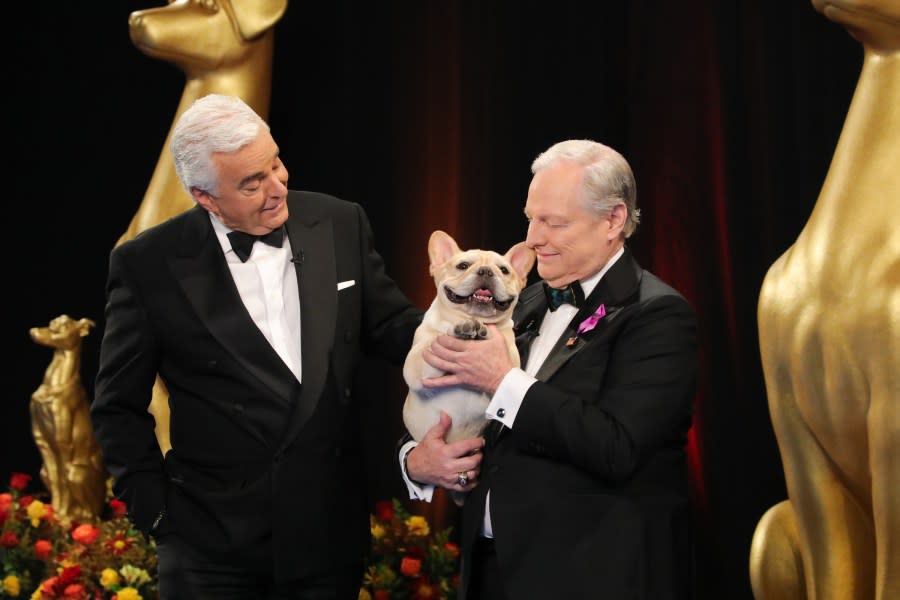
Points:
(480, 257)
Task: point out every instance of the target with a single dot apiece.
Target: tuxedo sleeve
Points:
(389, 318)
(122, 425)
(618, 403)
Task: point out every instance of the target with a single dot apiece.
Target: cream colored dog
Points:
(475, 288)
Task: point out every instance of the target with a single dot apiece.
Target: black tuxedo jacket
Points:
(589, 489)
(257, 458)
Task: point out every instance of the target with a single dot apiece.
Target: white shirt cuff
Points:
(416, 491)
(509, 396)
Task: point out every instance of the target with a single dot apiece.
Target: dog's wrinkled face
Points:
(478, 284)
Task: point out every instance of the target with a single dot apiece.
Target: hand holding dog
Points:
(436, 462)
(480, 364)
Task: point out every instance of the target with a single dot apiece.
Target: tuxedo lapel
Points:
(202, 272)
(527, 318)
(313, 241)
(617, 288)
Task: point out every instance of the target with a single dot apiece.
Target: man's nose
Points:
(532, 238)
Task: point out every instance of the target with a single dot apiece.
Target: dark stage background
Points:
(429, 114)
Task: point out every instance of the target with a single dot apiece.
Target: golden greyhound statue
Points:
(829, 332)
(72, 468)
(223, 47)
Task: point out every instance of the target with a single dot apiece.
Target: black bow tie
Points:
(571, 294)
(242, 243)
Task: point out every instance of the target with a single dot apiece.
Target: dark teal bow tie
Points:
(571, 294)
(242, 243)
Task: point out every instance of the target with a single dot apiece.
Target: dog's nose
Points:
(485, 272)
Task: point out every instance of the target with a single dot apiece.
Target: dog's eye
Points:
(462, 266)
(504, 270)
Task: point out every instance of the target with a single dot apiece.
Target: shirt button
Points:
(501, 412)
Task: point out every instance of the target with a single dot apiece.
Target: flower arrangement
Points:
(407, 561)
(110, 560)
(41, 560)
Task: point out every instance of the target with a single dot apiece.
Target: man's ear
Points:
(203, 199)
(617, 216)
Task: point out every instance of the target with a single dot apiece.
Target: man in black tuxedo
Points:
(582, 488)
(254, 307)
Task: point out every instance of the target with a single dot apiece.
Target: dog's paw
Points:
(470, 330)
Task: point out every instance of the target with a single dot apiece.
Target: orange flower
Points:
(42, 549)
(411, 567)
(424, 590)
(75, 591)
(19, 481)
(85, 534)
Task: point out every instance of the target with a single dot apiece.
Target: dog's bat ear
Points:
(522, 258)
(441, 247)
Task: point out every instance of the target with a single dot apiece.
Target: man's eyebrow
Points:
(258, 176)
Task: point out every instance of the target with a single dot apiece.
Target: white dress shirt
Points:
(267, 283)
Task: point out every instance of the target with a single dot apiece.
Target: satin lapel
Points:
(617, 288)
(317, 276)
(528, 316)
(203, 274)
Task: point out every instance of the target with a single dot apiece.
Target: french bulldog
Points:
(475, 288)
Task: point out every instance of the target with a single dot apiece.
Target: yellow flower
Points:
(364, 594)
(37, 595)
(378, 531)
(128, 593)
(36, 510)
(133, 576)
(109, 578)
(418, 525)
(11, 586)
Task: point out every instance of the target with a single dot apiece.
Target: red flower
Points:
(119, 543)
(382, 595)
(118, 507)
(85, 534)
(9, 539)
(69, 575)
(19, 481)
(24, 501)
(42, 549)
(452, 549)
(384, 510)
(411, 567)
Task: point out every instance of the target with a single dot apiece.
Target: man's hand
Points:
(436, 462)
(480, 364)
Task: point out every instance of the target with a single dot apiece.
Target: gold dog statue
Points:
(829, 332)
(223, 47)
(73, 469)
